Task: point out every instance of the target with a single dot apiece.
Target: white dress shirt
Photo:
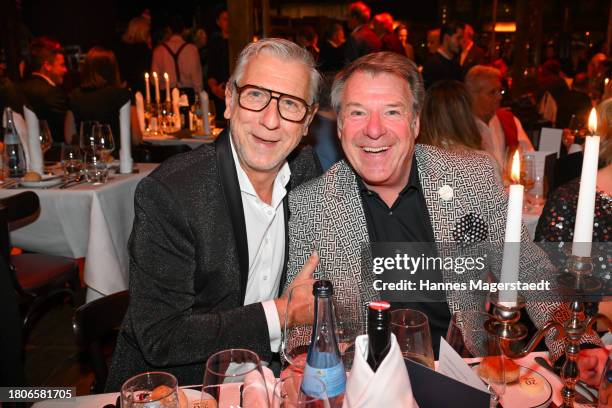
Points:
(188, 62)
(265, 227)
(494, 139)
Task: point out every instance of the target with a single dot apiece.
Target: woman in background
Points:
(100, 95)
(134, 53)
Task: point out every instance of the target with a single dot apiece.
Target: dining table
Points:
(194, 141)
(86, 221)
(529, 362)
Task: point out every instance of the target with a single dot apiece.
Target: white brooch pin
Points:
(446, 192)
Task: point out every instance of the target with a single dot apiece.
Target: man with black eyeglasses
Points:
(209, 243)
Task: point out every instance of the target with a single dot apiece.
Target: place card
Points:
(452, 365)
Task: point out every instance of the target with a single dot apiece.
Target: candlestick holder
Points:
(506, 326)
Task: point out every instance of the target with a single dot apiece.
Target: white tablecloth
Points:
(86, 221)
(165, 140)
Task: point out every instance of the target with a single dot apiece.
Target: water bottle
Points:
(14, 155)
(324, 361)
(605, 387)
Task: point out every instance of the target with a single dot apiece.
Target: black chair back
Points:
(94, 323)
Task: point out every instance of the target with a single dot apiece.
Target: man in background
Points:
(42, 89)
(362, 40)
(443, 64)
(331, 56)
(471, 54)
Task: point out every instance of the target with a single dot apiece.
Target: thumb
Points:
(309, 267)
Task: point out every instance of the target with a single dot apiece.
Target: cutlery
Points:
(582, 389)
(73, 183)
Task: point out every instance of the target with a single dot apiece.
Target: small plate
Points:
(531, 390)
(44, 182)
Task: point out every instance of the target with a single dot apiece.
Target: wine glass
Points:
(44, 136)
(297, 391)
(411, 328)
(150, 389)
(86, 138)
(71, 160)
(296, 339)
(528, 178)
(234, 378)
(103, 140)
(469, 338)
(349, 325)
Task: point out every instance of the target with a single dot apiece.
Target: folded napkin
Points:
(204, 103)
(125, 154)
(255, 392)
(176, 96)
(388, 387)
(140, 111)
(35, 160)
(22, 131)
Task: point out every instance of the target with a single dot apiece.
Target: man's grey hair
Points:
(385, 62)
(479, 73)
(283, 49)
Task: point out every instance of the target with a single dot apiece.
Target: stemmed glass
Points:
(71, 160)
(45, 136)
(234, 378)
(296, 339)
(411, 328)
(288, 393)
(528, 179)
(150, 389)
(469, 338)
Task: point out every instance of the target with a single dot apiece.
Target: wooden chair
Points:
(94, 323)
(39, 280)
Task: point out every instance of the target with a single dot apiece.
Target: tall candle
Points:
(147, 88)
(205, 109)
(156, 82)
(583, 229)
(510, 262)
(167, 79)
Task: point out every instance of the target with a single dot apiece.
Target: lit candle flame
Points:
(515, 174)
(606, 81)
(154, 74)
(593, 121)
(146, 75)
(165, 75)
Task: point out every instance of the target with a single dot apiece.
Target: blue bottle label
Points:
(333, 377)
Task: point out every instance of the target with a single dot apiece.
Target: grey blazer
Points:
(189, 267)
(327, 215)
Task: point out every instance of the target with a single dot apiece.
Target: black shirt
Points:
(407, 221)
(438, 68)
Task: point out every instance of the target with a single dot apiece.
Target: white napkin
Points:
(175, 108)
(22, 131)
(35, 161)
(388, 387)
(253, 394)
(204, 102)
(125, 154)
(140, 111)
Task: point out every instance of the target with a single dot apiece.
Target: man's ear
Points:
(228, 101)
(415, 126)
(310, 117)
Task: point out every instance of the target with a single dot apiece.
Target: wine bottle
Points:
(323, 360)
(14, 155)
(379, 333)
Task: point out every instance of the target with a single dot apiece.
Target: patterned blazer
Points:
(327, 215)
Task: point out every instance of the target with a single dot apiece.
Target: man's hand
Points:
(301, 311)
(591, 363)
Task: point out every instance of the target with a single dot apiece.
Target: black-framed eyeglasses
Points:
(255, 98)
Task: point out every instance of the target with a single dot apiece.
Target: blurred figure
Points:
(501, 131)
(308, 38)
(574, 102)
(134, 53)
(402, 34)
(443, 64)
(433, 41)
(383, 28)
(200, 40)
(596, 72)
(179, 59)
(218, 71)
(100, 95)
(331, 56)
(10, 94)
(471, 54)
(577, 61)
(549, 80)
(362, 40)
(447, 120)
(42, 89)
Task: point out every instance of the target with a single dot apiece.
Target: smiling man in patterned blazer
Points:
(389, 190)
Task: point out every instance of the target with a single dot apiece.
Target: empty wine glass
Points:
(411, 328)
(469, 338)
(152, 389)
(349, 325)
(288, 393)
(103, 140)
(44, 136)
(71, 160)
(296, 339)
(234, 378)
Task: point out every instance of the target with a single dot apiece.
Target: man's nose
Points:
(270, 117)
(375, 128)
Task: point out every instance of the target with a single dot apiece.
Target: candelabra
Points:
(505, 324)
